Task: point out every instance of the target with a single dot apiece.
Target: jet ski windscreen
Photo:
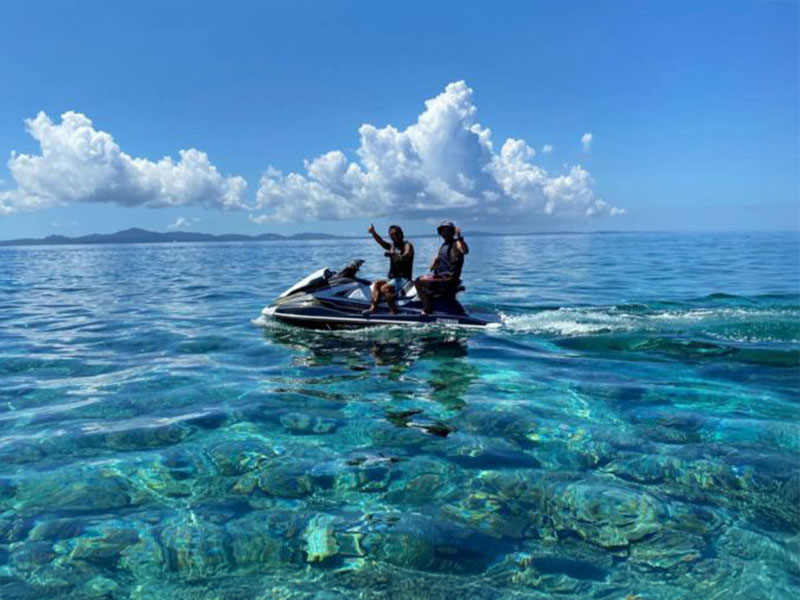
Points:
(315, 278)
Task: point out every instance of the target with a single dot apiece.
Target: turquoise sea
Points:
(630, 432)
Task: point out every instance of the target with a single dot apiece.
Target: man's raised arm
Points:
(384, 244)
(461, 244)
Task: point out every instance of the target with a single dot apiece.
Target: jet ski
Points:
(339, 300)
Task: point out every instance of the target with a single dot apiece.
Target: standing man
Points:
(401, 262)
(446, 267)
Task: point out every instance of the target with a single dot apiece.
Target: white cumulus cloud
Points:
(78, 163)
(586, 141)
(443, 164)
(547, 149)
(181, 223)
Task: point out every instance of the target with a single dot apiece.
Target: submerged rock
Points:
(145, 437)
(669, 435)
(648, 468)
(366, 478)
(196, 550)
(489, 513)
(750, 545)
(604, 515)
(698, 520)
(506, 423)
(668, 550)
(146, 558)
(286, 481)
(423, 479)
(99, 587)
(478, 452)
(79, 490)
(20, 454)
(57, 529)
(177, 473)
(7, 490)
(706, 476)
(296, 422)
(28, 556)
(320, 541)
(15, 529)
(552, 574)
(237, 457)
(360, 472)
(385, 434)
(103, 542)
(261, 540)
(420, 542)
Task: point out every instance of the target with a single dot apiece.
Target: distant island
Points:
(136, 235)
(142, 236)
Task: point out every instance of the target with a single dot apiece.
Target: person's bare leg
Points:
(376, 296)
(422, 292)
(390, 295)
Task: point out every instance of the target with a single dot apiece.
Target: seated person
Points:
(446, 268)
(401, 262)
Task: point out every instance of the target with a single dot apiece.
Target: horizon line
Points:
(243, 237)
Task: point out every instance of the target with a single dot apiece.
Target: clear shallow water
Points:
(630, 432)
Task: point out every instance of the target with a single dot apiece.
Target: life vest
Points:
(400, 266)
(449, 262)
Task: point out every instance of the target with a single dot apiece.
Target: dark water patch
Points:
(100, 327)
(495, 459)
(629, 347)
(138, 435)
(151, 342)
(206, 345)
(724, 297)
(46, 368)
(216, 296)
(769, 357)
(418, 542)
(577, 569)
(212, 419)
(89, 491)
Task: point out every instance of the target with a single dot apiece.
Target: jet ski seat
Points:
(444, 292)
(409, 292)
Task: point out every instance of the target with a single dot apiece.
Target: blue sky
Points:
(692, 110)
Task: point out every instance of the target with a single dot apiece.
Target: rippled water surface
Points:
(630, 432)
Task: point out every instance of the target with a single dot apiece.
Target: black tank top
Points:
(398, 266)
(449, 262)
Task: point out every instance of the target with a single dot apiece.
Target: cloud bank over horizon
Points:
(78, 163)
(444, 164)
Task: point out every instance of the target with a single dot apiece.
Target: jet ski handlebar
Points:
(350, 271)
